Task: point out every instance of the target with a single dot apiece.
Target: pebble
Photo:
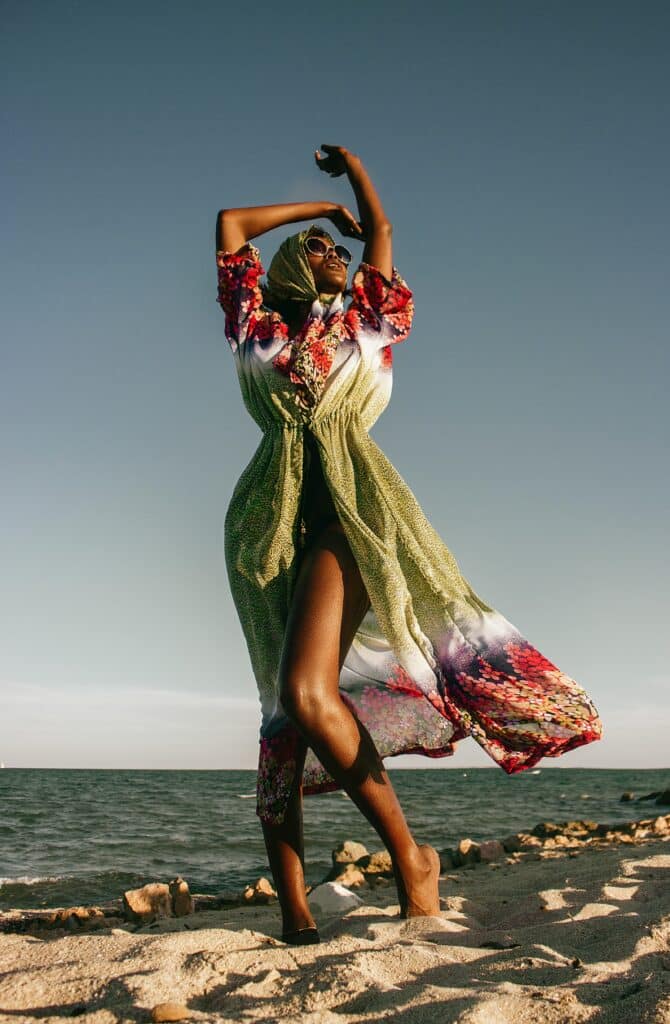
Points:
(169, 1012)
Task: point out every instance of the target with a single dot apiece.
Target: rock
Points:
(546, 828)
(169, 1012)
(348, 852)
(649, 796)
(527, 841)
(378, 863)
(351, 876)
(260, 892)
(82, 918)
(467, 852)
(491, 850)
(557, 841)
(626, 797)
(447, 860)
(149, 903)
(71, 917)
(663, 797)
(580, 828)
(377, 881)
(331, 898)
(180, 894)
(662, 825)
(512, 844)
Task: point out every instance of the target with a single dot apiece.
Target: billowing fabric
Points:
(431, 662)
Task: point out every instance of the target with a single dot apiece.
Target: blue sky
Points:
(521, 151)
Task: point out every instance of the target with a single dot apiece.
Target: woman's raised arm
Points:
(377, 229)
(235, 227)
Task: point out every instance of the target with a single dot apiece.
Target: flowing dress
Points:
(431, 662)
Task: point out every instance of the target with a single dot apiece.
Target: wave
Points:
(30, 880)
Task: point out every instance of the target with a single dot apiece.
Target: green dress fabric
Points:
(432, 662)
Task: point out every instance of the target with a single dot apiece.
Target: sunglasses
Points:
(319, 247)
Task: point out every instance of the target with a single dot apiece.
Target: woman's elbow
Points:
(229, 233)
(224, 217)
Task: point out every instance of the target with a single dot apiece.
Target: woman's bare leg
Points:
(286, 855)
(328, 605)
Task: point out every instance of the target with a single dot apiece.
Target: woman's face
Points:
(330, 273)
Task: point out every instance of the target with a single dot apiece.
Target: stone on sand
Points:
(491, 850)
(182, 901)
(350, 875)
(349, 852)
(467, 852)
(448, 860)
(331, 899)
(378, 863)
(260, 892)
(149, 903)
(164, 1012)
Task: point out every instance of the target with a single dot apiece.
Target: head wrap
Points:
(290, 277)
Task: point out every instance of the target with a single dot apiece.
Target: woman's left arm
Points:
(377, 230)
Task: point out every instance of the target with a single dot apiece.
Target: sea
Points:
(70, 837)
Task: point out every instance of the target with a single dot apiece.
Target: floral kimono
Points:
(431, 662)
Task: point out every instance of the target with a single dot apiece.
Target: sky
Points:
(521, 152)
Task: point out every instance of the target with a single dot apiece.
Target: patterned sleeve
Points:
(386, 307)
(239, 294)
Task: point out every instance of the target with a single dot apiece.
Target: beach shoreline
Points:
(574, 925)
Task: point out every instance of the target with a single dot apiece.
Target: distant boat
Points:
(2, 764)
(536, 772)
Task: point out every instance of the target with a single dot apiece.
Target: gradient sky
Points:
(521, 151)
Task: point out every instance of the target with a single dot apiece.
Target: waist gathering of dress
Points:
(431, 662)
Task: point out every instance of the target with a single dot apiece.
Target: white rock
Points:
(331, 898)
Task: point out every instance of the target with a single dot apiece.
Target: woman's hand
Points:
(345, 222)
(335, 162)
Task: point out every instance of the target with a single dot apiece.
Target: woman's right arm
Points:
(237, 226)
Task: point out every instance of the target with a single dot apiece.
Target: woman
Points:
(365, 638)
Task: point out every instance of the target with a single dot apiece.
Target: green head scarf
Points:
(290, 278)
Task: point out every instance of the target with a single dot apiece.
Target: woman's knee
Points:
(307, 702)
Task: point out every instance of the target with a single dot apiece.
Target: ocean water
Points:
(70, 837)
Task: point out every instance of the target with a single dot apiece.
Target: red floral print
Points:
(382, 307)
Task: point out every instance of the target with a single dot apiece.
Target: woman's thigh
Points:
(329, 602)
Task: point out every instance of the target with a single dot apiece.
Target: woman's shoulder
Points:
(372, 291)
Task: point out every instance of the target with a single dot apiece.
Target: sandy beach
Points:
(549, 933)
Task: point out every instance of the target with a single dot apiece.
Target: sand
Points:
(557, 936)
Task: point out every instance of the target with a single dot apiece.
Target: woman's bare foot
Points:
(418, 884)
(296, 918)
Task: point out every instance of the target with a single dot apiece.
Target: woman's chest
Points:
(324, 362)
